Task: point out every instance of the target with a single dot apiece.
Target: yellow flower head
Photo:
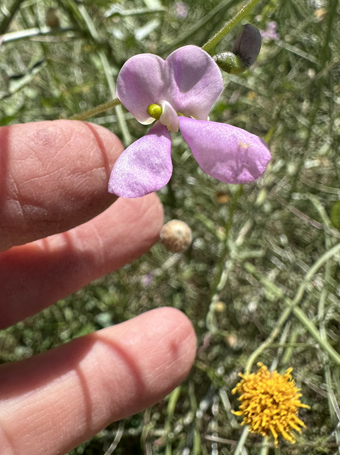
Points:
(270, 403)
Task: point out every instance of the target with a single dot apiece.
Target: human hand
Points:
(53, 182)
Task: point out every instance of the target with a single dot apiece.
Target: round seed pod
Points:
(176, 236)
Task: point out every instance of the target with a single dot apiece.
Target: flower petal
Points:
(195, 81)
(169, 117)
(225, 152)
(141, 82)
(145, 166)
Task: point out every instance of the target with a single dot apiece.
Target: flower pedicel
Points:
(178, 93)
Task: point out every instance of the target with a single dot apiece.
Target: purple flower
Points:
(179, 93)
(181, 10)
(147, 279)
(270, 32)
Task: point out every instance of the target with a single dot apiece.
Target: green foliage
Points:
(247, 242)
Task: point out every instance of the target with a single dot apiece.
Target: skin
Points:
(59, 230)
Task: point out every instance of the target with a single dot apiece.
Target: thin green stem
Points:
(198, 26)
(275, 332)
(265, 446)
(31, 32)
(173, 399)
(108, 73)
(321, 315)
(282, 342)
(133, 12)
(96, 110)
(212, 43)
(325, 56)
(224, 265)
(290, 345)
(241, 441)
(316, 335)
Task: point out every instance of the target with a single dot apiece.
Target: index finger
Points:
(53, 177)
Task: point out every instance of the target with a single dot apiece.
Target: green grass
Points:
(253, 246)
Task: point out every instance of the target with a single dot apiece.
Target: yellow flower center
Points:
(270, 403)
(155, 111)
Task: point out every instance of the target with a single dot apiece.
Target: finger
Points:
(55, 401)
(53, 176)
(36, 275)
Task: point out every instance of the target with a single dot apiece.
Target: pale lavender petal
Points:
(225, 152)
(145, 166)
(141, 82)
(195, 81)
(169, 117)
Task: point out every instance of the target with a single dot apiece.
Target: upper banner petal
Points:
(195, 81)
(145, 166)
(225, 152)
(141, 82)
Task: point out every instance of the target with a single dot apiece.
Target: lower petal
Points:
(225, 152)
(145, 166)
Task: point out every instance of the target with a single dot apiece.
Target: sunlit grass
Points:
(253, 246)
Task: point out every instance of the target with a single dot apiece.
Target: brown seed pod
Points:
(52, 18)
(176, 236)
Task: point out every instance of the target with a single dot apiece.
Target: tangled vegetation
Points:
(261, 279)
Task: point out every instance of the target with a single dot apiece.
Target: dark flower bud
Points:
(247, 45)
(244, 53)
